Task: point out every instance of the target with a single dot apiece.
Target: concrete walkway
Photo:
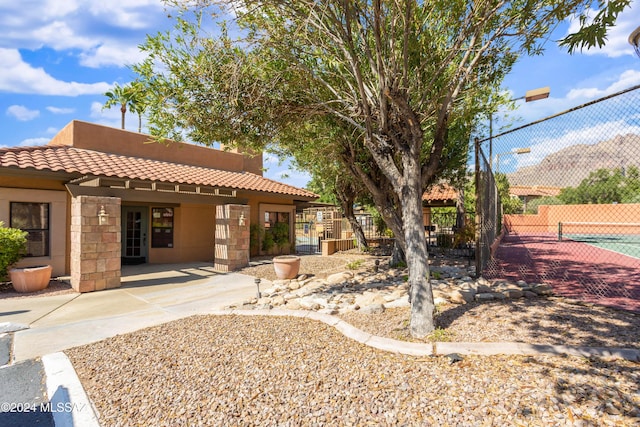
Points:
(150, 295)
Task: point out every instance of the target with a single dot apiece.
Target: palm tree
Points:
(120, 95)
(138, 101)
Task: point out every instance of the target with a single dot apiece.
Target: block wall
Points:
(95, 247)
(232, 237)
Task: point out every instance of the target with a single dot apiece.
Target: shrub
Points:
(440, 335)
(255, 231)
(267, 242)
(444, 240)
(13, 247)
(464, 235)
(354, 265)
(280, 232)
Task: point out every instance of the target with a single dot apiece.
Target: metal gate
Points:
(314, 225)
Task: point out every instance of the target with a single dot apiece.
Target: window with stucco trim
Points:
(33, 218)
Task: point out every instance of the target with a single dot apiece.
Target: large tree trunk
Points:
(383, 196)
(361, 239)
(346, 195)
(397, 256)
(421, 323)
(461, 215)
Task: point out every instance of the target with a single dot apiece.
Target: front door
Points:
(134, 235)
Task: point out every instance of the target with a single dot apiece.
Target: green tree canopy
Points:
(510, 205)
(394, 87)
(605, 186)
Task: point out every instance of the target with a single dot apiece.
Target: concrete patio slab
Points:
(29, 310)
(93, 305)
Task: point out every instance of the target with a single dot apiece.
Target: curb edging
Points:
(70, 405)
(442, 348)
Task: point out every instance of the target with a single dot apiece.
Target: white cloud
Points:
(270, 159)
(114, 54)
(58, 110)
(52, 130)
(30, 142)
(617, 42)
(97, 32)
(132, 14)
(17, 76)
(626, 80)
(98, 112)
(531, 111)
(280, 170)
(22, 113)
(60, 36)
(290, 177)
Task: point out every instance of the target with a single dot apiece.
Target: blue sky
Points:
(59, 57)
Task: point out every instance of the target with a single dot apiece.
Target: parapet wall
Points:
(106, 139)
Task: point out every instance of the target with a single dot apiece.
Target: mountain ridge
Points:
(569, 166)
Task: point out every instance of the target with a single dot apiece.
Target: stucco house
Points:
(96, 197)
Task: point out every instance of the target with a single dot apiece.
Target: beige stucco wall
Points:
(193, 235)
(58, 214)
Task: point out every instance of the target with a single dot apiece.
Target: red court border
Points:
(575, 270)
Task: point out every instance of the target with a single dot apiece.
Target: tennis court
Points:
(602, 268)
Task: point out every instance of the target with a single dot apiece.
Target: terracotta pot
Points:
(286, 266)
(30, 279)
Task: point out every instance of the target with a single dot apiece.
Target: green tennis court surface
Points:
(623, 238)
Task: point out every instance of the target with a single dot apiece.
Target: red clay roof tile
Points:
(440, 192)
(88, 162)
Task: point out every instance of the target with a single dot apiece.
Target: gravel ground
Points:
(55, 288)
(267, 371)
(310, 265)
(239, 370)
(536, 321)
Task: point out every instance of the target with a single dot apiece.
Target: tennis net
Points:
(600, 232)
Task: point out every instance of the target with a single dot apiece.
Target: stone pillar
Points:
(232, 237)
(95, 247)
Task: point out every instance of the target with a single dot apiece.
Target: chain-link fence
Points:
(487, 209)
(573, 217)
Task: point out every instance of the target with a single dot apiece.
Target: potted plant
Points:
(286, 266)
(13, 247)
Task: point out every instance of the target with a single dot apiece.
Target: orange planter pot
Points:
(286, 266)
(30, 279)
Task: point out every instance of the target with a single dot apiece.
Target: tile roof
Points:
(88, 162)
(539, 191)
(440, 192)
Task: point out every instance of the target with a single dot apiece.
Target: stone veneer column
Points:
(232, 237)
(95, 248)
